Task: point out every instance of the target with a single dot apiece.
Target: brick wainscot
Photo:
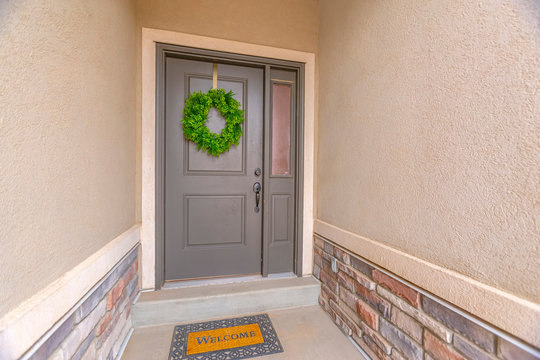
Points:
(389, 319)
(98, 325)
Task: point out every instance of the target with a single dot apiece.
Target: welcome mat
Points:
(229, 339)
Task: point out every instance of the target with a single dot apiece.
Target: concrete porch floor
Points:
(304, 332)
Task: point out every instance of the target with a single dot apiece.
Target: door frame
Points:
(199, 47)
(163, 51)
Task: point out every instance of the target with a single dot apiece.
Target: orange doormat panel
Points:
(237, 338)
(224, 338)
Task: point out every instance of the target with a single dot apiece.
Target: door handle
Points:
(257, 189)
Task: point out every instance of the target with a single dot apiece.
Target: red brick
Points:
(342, 256)
(346, 281)
(328, 248)
(130, 274)
(324, 305)
(438, 349)
(397, 356)
(459, 323)
(509, 351)
(115, 293)
(375, 353)
(371, 343)
(329, 281)
(328, 308)
(326, 256)
(377, 338)
(317, 251)
(361, 266)
(407, 324)
(327, 294)
(108, 330)
(318, 242)
(317, 260)
(471, 351)
(404, 344)
(348, 298)
(367, 314)
(331, 313)
(373, 299)
(348, 321)
(340, 318)
(357, 276)
(397, 287)
(317, 271)
(343, 326)
(353, 315)
(327, 266)
(103, 323)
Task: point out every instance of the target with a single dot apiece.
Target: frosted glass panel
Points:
(281, 129)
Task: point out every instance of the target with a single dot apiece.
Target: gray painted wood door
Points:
(211, 227)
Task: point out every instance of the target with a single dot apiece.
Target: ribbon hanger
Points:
(214, 76)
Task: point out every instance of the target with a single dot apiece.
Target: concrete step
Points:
(217, 301)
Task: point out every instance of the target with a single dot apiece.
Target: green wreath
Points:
(196, 115)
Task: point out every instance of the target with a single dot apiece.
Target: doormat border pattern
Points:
(271, 344)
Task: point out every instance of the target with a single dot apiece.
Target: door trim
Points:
(231, 51)
(164, 51)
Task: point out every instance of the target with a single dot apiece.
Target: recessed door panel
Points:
(280, 218)
(214, 220)
(233, 161)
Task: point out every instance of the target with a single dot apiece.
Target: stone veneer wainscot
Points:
(97, 326)
(389, 319)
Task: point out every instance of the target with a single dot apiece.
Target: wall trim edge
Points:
(509, 312)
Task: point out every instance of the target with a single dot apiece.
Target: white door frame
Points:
(148, 134)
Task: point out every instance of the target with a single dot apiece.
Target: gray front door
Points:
(211, 226)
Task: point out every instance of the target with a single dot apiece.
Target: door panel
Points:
(211, 228)
(227, 227)
(232, 161)
(280, 179)
(280, 218)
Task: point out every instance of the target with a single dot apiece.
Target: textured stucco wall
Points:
(429, 132)
(290, 24)
(67, 136)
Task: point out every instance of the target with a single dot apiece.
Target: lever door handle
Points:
(257, 189)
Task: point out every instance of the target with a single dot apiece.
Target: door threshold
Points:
(224, 280)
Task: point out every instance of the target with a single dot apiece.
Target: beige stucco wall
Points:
(290, 24)
(67, 136)
(429, 132)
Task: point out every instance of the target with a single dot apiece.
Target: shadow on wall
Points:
(5, 11)
(533, 10)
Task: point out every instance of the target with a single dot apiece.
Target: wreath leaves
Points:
(195, 117)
